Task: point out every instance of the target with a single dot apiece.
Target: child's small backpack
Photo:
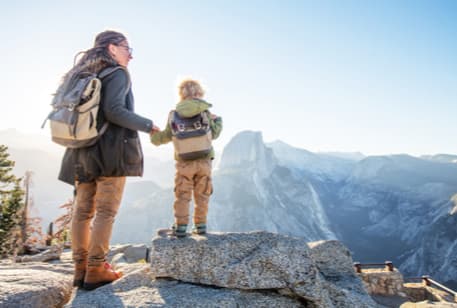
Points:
(191, 137)
(75, 108)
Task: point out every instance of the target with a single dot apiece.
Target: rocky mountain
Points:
(254, 192)
(444, 158)
(395, 202)
(435, 252)
(324, 167)
(390, 208)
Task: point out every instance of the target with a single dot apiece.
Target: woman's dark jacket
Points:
(118, 151)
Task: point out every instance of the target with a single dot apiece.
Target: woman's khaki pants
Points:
(101, 198)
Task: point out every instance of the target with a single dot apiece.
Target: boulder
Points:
(332, 258)
(261, 261)
(135, 253)
(334, 262)
(52, 253)
(128, 253)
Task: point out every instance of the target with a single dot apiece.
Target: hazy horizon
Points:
(164, 152)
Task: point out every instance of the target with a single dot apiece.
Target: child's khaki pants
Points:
(102, 199)
(194, 175)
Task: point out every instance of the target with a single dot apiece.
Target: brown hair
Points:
(189, 88)
(96, 58)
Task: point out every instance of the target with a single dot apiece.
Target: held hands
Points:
(154, 130)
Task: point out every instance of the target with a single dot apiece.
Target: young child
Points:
(191, 127)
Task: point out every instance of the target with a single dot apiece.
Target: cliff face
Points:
(254, 192)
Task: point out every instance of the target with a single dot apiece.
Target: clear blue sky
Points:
(378, 77)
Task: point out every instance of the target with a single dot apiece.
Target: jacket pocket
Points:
(132, 151)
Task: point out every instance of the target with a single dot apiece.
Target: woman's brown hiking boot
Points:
(97, 276)
(80, 272)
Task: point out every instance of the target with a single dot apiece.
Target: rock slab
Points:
(139, 289)
(34, 286)
(262, 261)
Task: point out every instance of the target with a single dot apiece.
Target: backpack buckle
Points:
(181, 127)
(71, 106)
(197, 125)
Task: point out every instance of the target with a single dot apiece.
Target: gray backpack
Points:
(74, 112)
(191, 137)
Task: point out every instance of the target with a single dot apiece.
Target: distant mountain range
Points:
(396, 207)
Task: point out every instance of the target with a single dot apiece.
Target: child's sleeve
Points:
(216, 127)
(162, 137)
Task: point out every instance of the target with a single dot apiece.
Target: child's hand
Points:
(155, 129)
(213, 116)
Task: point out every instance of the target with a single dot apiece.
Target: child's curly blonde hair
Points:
(190, 88)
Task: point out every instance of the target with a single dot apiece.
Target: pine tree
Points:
(11, 205)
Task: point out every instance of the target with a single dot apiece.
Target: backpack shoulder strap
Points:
(205, 117)
(109, 70)
(172, 122)
(171, 116)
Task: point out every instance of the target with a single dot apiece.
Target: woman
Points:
(99, 171)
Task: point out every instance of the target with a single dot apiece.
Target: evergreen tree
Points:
(11, 205)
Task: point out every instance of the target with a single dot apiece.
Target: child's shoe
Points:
(179, 230)
(199, 228)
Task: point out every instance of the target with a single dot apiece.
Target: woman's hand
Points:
(154, 130)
